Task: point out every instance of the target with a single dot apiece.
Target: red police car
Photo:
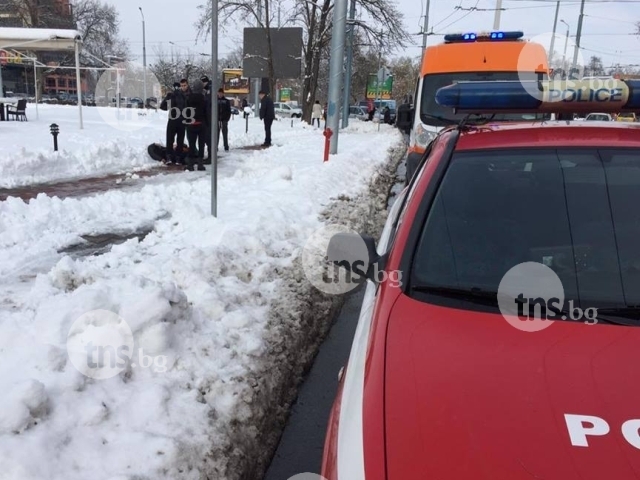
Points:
(439, 385)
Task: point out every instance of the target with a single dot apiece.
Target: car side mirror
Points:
(356, 254)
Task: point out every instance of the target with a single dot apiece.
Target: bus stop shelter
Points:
(45, 39)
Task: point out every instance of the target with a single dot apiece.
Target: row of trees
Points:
(595, 67)
(378, 29)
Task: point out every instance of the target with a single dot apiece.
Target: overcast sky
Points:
(607, 29)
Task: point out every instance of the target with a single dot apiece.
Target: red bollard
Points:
(327, 142)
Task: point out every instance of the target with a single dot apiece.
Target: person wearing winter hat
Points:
(174, 103)
(208, 103)
(196, 124)
(224, 115)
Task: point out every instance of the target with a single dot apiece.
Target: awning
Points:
(38, 39)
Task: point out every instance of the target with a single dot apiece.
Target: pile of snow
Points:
(198, 294)
(108, 144)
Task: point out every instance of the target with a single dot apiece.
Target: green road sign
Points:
(386, 88)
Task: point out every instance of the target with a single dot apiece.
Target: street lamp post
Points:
(553, 37)
(144, 58)
(566, 42)
(496, 18)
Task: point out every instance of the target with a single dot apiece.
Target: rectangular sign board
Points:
(286, 47)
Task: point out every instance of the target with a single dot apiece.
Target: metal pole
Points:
(79, 83)
(378, 83)
(118, 90)
(347, 77)
(257, 81)
(553, 37)
(578, 35)
(1, 85)
(144, 59)
(496, 19)
(566, 43)
(35, 87)
(425, 28)
(335, 70)
(214, 111)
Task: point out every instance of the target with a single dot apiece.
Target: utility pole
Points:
(335, 71)
(380, 79)
(349, 69)
(144, 59)
(257, 82)
(553, 37)
(213, 150)
(566, 43)
(496, 19)
(578, 35)
(425, 28)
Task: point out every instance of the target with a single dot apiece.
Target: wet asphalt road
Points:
(302, 443)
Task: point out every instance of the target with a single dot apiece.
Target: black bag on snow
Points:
(157, 151)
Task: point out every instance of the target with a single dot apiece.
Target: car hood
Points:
(467, 395)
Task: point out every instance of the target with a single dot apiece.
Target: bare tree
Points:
(233, 58)
(379, 22)
(171, 68)
(99, 25)
(256, 12)
(406, 71)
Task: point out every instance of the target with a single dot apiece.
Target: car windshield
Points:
(568, 209)
(430, 109)
(598, 118)
(626, 115)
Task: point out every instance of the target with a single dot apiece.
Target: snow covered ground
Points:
(209, 302)
(107, 144)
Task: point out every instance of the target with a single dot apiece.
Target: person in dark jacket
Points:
(208, 101)
(387, 115)
(268, 115)
(404, 119)
(224, 115)
(196, 121)
(175, 103)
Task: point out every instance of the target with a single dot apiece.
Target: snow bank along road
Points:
(219, 309)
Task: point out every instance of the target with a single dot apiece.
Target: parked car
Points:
(626, 117)
(135, 102)
(446, 379)
(286, 110)
(598, 117)
(358, 112)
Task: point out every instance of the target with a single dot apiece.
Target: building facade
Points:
(17, 74)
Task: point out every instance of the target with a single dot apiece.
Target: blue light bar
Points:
(541, 97)
(490, 36)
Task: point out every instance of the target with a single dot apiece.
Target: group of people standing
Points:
(190, 114)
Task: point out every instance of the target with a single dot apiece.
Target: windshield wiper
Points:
(448, 121)
(629, 312)
(474, 294)
(619, 316)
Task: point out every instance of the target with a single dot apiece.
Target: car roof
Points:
(550, 134)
